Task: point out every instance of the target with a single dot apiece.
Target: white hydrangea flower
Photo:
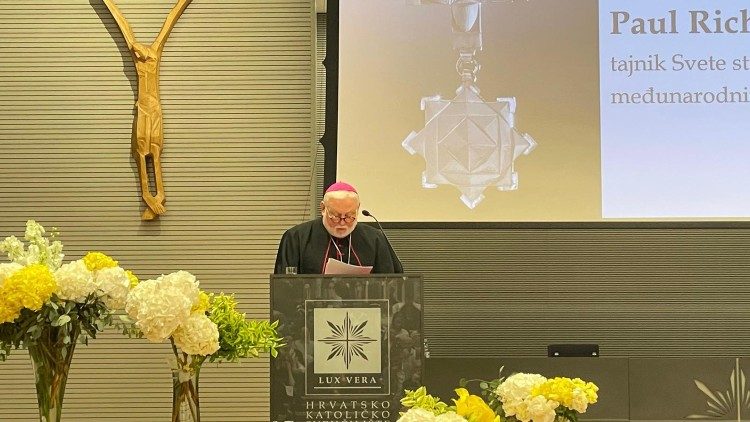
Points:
(450, 417)
(40, 251)
(515, 390)
(33, 255)
(7, 269)
(580, 402)
(13, 248)
(38, 244)
(34, 231)
(417, 414)
(113, 285)
(540, 409)
(198, 335)
(55, 258)
(74, 281)
(159, 306)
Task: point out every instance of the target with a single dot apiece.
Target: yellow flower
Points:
(96, 261)
(473, 408)
(133, 279)
(8, 312)
(420, 399)
(29, 287)
(204, 301)
(590, 389)
(567, 391)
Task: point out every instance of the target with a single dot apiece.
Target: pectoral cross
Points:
(148, 131)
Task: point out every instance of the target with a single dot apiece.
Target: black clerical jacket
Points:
(308, 246)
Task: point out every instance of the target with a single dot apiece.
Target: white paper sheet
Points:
(334, 266)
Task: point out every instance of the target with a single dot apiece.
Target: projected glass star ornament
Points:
(469, 143)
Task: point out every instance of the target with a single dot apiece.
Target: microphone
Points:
(400, 268)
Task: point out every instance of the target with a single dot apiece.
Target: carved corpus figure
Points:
(148, 134)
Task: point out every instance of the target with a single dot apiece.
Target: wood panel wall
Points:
(237, 85)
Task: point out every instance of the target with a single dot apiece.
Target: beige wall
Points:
(237, 92)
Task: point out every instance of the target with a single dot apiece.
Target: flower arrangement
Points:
(520, 397)
(48, 307)
(199, 326)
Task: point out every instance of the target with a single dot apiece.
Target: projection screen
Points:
(546, 110)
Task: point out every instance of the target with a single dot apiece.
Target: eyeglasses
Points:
(339, 218)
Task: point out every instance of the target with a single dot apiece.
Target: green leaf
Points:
(64, 319)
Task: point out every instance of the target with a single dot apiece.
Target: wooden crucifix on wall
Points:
(148, 133)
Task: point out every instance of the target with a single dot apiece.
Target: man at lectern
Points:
(308, 248)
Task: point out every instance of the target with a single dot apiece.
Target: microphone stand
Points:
(400, 268)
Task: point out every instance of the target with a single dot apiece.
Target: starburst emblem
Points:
(722, 404)
(347, 340)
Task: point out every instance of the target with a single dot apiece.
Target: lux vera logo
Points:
(347, 348)
(347, 340)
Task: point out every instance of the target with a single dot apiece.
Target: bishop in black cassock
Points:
(337, 235)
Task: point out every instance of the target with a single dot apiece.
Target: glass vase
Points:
(51, 356)
(185, 399)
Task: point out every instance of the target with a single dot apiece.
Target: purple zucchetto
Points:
(341, 186)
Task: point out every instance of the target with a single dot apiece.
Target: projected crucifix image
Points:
(468, 142)
(148, 131)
